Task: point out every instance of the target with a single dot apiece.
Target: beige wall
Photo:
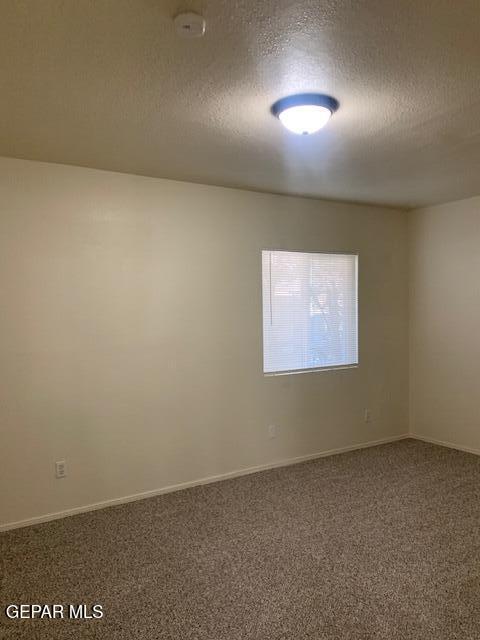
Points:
(131, 334)
(445, 322)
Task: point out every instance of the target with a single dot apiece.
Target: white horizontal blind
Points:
(309, 310)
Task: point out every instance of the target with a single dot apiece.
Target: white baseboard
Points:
(194, 483)
(443, 443)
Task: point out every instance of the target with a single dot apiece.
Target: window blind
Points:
(310, 310)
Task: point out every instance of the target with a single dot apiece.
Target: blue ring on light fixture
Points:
(304, 99)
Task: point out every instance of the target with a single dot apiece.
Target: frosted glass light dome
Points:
(305, 119)
(305, 113)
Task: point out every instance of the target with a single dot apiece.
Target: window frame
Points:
(340, 367)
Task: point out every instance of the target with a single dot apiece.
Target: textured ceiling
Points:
(108, 84)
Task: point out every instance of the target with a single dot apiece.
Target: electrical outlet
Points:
(60, 469)
(272, 431)
(367, 416)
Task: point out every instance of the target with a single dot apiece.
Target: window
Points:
(309, 310)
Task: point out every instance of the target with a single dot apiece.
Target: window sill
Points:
(341, 367)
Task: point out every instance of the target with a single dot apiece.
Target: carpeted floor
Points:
(382, 543)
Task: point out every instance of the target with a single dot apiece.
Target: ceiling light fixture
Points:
(305, 113)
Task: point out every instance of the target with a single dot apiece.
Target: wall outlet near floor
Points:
(367, 416)
(60, 469)
(272, 431)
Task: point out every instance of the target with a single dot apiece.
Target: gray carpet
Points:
(379, 543)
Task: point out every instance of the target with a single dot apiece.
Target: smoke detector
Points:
(189, 25)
